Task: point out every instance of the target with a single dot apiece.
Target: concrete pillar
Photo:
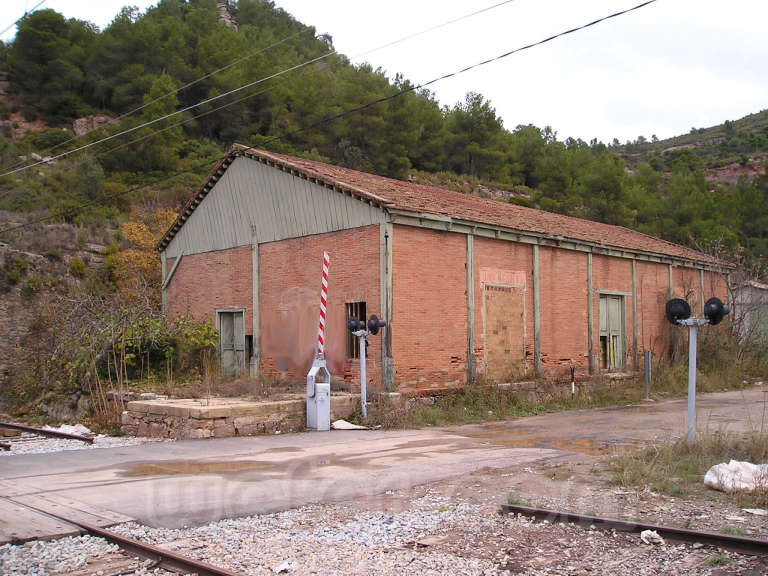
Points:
(536, 312)
(590, 317)
(385, 290)
(470, 266)
(635, 360)
(255, 367)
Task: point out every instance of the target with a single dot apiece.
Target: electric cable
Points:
(26, 13)
(184, 87)
(348, 112)
(17, 168)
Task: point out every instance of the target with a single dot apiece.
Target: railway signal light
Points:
(374, 324)
(358, 328)
(715, 310)
(677, 309)
(678, 312)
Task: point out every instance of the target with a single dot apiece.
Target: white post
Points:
(692, 337)
(363, 377)
(318, 377)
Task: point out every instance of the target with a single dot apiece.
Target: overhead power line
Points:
(171, 93)
(26, 13)
(348, 112)
(260, 92)
(18, 168)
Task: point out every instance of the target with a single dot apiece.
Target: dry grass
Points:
(483, 402)
(677, 468)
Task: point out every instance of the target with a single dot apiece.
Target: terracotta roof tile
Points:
(411, 197)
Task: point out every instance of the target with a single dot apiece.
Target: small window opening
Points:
(354, 310)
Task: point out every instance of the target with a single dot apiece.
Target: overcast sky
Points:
(671, 66)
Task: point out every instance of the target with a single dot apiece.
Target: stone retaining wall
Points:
(223, 417)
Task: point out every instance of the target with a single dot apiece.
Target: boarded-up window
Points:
(354, 310)
(504, 331)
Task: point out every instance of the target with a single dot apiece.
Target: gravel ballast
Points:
(28, 443)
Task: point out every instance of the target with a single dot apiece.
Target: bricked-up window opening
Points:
(354, 310)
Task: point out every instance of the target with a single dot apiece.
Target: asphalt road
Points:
(197, 481)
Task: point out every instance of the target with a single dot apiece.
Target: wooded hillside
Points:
(59, 70)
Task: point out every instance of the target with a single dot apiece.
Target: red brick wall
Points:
(500, 258)
(652, 294)
(429, 310)
(563, 305)
(289, 301)
(687, 284)
(429, 327)
(205, 282)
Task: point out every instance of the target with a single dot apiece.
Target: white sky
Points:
(662, 70)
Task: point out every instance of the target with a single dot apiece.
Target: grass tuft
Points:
(677, 469)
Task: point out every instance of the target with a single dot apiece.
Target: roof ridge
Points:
(391, 193)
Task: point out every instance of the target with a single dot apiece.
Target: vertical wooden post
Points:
(671, 330)
(255, 367)
(701, 288)
(671, 283)
(163, 272)
(470, 309)
(385, 288)
(635, 360)
(590, 317)
(536, 312)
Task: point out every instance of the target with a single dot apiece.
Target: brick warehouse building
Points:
(470, 287)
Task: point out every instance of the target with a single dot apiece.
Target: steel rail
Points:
(735, 543)
(165, 559)
(44, 432)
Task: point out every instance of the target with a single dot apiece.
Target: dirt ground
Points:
(455, 527)
(439, 525)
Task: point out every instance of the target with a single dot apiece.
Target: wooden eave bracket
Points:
(167, 280)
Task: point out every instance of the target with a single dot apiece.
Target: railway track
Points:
(738, 544)
(161, 558)
(30, 435)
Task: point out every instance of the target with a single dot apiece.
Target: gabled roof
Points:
(392, 194)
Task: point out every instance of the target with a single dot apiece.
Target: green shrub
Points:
(77, 267)
(31, 285)
(53, 254)
(15, 269)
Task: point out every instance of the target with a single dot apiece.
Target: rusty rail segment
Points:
(164, 558)
(734, 543)
(43, 432)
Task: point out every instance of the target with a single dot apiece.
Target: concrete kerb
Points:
(183, 419)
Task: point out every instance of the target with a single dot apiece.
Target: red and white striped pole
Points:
(323, 308)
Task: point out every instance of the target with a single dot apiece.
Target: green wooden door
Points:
(231, 343)
(612, 336)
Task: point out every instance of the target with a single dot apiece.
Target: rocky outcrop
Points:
(225, 16)
(84, 125)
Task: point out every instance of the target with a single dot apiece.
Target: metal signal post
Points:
(678, 312)
(358, 328)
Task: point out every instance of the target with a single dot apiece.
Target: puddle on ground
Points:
(174, 467)
(299, 467)
(532, 438)
(243, 469)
